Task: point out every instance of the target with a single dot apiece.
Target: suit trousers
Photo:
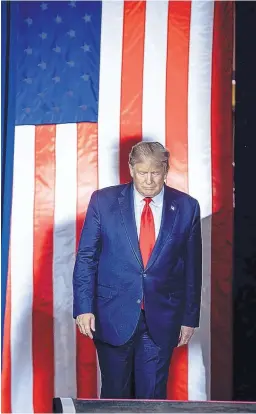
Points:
(138, 369)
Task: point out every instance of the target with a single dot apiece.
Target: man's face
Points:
(148, 177)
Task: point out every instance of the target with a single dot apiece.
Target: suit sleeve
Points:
(193, 266)
(87, 258)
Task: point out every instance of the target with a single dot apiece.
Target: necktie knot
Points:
(147, 200)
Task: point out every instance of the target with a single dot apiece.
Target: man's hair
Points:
(153, 150)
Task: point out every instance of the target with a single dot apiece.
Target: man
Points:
(137, 276)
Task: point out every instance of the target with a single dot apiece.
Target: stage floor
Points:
(68, 405)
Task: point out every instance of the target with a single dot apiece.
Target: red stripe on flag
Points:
(42, 312)
(87, 182)
(177, 142)
(177, 92)
(222, 202)
(177, 386)
(6, 402)
(132, 81)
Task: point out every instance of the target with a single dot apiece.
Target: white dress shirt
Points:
(156, 206)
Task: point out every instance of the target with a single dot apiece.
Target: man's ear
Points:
(131, 170)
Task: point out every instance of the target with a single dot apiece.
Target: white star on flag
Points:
(86, 18)
(71, 63)
(42, 65)
(29, 21)
(85, 47)
(56, 79)
(72, 4)
(28, 80)
(28, 50)
(44, 6)
(58, 19)
(85, 77)
(43, 35)
(71, 33)
(57, 49)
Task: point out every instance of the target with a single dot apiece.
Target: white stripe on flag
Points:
(109, 101)
(22, 270)
(154, 74)
(98, 377)
(200, 180)
(68, 405)
(110, 92)
(63, 260)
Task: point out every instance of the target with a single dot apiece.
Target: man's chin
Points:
(148, 192)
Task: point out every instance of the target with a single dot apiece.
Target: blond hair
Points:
(153, 150)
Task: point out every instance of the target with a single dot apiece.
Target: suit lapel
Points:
(169, 216)
(126, 204)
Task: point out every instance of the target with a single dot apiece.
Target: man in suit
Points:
(137, 276)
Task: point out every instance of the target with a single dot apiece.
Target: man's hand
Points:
(86, 324)
(186, 333)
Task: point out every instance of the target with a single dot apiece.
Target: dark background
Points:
(244, 282)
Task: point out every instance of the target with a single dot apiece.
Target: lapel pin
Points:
(173, 208)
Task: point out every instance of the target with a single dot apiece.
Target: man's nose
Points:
(149, 178)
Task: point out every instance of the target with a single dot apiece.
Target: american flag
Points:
(92, 79)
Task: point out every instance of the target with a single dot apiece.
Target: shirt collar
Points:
(157, 200)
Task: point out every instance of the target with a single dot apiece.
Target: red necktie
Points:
(147, 232)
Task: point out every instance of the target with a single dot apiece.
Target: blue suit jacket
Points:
(109, 278)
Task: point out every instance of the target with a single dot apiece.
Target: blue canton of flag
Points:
(58, 62)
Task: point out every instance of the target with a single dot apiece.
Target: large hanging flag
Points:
(94, 78)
